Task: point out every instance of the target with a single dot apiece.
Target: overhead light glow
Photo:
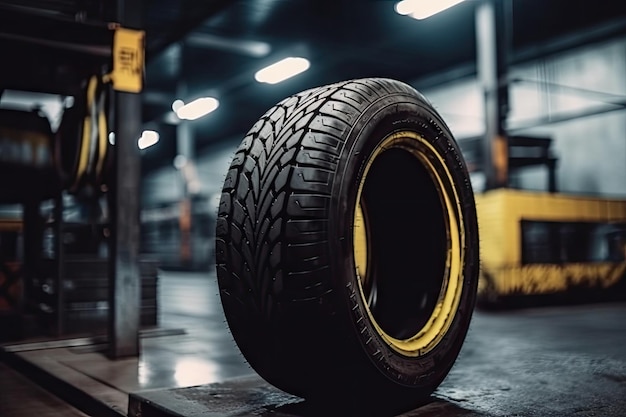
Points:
(196, 109)
(177, 104)
(180, 161)
(147, 139)
(421, 9)
(171, 118)
(282, 70)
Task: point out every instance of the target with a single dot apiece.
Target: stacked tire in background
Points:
(39, 169)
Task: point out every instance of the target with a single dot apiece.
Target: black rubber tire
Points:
(82, 159)
(285, 246)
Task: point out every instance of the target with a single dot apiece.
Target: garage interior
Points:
(109, 299)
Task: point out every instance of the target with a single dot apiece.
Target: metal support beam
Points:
(124, 275)
(32, 243)
(185, 149)
(93, 50)
(59, 252)
(184, 133)
(492, 45)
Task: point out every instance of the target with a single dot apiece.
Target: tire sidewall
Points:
(389, 114)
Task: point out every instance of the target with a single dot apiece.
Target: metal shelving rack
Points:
(53, 47)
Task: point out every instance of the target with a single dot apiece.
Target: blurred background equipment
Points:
(537, 243)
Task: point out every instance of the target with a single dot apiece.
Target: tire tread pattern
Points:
(272, 227)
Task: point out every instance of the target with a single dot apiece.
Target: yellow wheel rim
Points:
(431, 333)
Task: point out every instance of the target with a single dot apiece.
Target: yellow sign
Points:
(128, 60)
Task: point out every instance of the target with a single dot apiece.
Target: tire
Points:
(81, 142)
(347, 246)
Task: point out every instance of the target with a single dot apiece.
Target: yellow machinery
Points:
(536, 243)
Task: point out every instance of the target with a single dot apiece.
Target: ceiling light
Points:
(282, 70)
(147, 139)
(421, 9)
(171, 119)
(196, 109)
(180, 161)
(177, 104)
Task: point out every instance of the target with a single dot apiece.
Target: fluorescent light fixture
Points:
(147, 139)
(196, 109)
(421, 9)
(282, 70)
(51, 105)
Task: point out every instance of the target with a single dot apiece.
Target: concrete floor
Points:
(19, 396)
(549, 361)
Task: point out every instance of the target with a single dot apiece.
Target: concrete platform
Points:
(548, 361)
(19, 396)
(551, 361)
(191, 346)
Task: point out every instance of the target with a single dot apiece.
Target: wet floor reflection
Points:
(205, 353)
(191, 371)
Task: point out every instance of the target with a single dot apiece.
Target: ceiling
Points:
(214, 47)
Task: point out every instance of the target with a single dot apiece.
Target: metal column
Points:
(32, 252)
(492, 45)
(124, 275)
(185, 145)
